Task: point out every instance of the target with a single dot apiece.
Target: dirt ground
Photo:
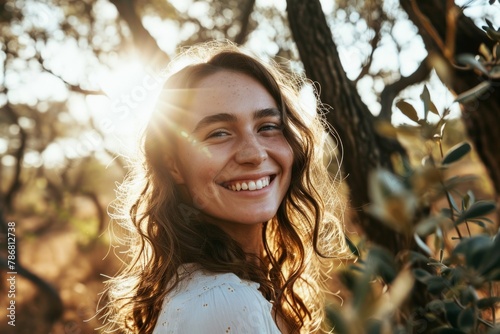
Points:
(76, 271)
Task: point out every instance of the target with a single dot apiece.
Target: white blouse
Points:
(213, 303)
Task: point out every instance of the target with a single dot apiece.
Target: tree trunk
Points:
(481, 117)
(363, 149)
(7, 199)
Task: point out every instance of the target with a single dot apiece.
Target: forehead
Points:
(228, 92)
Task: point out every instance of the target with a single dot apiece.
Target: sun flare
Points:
(131, 90)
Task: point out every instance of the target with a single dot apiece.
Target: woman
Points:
(236, 209)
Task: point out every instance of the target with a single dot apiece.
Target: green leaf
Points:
(452, 312)
(427, 226)
(473, 93)
(478, 209)
(435, 307)
(426, 99)
(422, 244)
(492, 261)
(495, 71)
(488, 302)
(477, 222)
(455, 276)
(348, 278)
(475, 250)
(493, 34)
(470, 245)
(470, 60)
(352, 247)
(489, 23)
(453, 203)
(496, 51)
(336, 319)
(433, 109)
(456, 153)
(468, 295)
(455, 181)
(436, 284)
(381, 263)
(466, 319)
(421, 275)
(408, 110)
(446, 212)
(416, 257)
(373, 326)
(361, 292)
(485, 52)
(468, 199)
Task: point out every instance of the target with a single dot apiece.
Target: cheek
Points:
(200, 173)
(286, 156)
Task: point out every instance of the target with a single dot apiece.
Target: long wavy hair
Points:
(163, 232)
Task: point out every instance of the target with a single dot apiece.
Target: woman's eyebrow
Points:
(267, 112)
(216, 118)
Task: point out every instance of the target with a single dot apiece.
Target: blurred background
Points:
(78, 79)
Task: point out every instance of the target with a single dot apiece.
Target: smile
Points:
(248, 185)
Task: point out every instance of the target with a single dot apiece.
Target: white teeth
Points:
(251, 185)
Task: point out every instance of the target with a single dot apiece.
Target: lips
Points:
(248, 185)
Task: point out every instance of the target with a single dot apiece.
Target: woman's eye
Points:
(217, 134)
(270, 127)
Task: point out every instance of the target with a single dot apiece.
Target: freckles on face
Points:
(235, 161)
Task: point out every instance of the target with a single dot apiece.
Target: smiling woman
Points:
(236, 210)
(237, 129)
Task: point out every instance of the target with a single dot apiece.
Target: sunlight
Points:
(130, 94)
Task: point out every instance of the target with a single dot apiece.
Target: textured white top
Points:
(212, 303)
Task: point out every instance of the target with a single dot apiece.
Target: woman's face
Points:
(232, 158)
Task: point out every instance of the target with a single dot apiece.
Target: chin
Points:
(255, 219)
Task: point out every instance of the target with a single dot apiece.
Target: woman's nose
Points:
(250, 151)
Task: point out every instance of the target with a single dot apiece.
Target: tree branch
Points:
(427, 25)
(247, 10)
(73, 87)
(373, 43)
(451, 28)
(143, 41)
(392, 90)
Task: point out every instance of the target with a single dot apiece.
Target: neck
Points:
(249, 236)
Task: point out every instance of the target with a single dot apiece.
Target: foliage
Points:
(486, 64)
(448, 282)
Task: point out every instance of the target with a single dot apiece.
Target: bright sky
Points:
(131, 89)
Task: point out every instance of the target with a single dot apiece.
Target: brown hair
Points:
(166, 233)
